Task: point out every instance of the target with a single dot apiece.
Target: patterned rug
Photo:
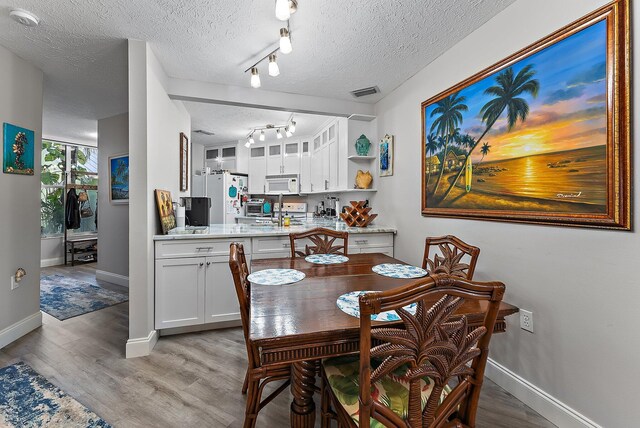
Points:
(29, 400)
(64, 297)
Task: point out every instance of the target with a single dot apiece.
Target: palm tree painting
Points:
(544, 121)
(119, 179)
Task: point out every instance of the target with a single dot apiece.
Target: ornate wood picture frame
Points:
(184, 162)
(542, 136)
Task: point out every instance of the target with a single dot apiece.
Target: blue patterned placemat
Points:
(29, 400)
(276, 276)
(394, 270)
(326, 259)
(349, 304)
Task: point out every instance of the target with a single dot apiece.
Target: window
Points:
(229, 152)
(62, 163)
(212, 154)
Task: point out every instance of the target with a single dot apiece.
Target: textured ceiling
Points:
(338, 46)
(234, 123)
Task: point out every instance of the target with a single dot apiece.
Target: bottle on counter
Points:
(287, 220)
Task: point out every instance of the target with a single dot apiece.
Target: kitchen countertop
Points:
(255, 230)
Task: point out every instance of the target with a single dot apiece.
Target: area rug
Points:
(29, 400)
(64, 297)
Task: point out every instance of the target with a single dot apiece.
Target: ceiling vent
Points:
(203, 132)
(365, 91)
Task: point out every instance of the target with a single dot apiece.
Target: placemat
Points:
(276, 276)
(395, 270)
(326, 259)
(349, 304)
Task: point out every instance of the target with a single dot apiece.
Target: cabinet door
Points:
(291, 158)
(326, 168)
(305, 168)
(317, 185)
(257, 169)
(179, 292)
(274, 159)
(220, 301)
(332, 150)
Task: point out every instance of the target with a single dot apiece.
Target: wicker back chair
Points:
(256, 377)
(435, 356)
(450, 255)
(322, 242)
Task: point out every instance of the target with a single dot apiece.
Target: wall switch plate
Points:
(14, 284)
(526, 320)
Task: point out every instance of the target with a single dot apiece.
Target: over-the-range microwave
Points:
(287, 184)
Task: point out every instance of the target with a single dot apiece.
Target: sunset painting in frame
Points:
(540, 137)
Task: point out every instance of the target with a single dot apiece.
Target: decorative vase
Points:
(363, 179)
(363, 145)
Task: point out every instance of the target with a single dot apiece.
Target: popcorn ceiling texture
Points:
(338, 46)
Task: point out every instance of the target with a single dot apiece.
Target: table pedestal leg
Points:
(303, 409)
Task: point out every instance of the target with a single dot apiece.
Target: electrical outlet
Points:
(14, 284)
(526, 320)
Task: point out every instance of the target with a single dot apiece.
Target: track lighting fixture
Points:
(251, 140)
(285, 41)
(255, 78)
(288, 132)
(274, 70)
(292, 127)
(247, 144)
(282, 10)
(278, 134)
(261, 135)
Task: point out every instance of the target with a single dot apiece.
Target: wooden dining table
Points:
(301, 323)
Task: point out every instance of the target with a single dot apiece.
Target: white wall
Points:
(21, 105)
(113, 219)
(581, 284)
(51, 251)
(197, 159)
(155, 125)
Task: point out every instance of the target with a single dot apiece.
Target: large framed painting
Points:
(119, 179)
(19, 150)
(540, 137)
(184, 162)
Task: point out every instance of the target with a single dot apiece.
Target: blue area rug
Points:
(64, 297)
(29, 400)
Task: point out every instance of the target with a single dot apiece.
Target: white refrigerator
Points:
(226, 191)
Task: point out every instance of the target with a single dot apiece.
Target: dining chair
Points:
(256, 377)
(322, 241)
(451, 255)
(428, 372)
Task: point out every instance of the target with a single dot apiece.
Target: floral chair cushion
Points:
(391, 391)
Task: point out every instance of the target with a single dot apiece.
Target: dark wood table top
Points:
(307, 310)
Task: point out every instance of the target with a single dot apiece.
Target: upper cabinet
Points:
(257, 169)
(283, 158)
(223, 158)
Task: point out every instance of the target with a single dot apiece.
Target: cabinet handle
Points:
(326, 184)
(285, 245)
(361, 241)
(201, 264)
(208, 263)
(204, 248)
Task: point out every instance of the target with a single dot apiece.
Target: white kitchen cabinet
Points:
(305, 167)
(325, 159)
(180, 288)
(274, 159)
(257, 169)
(220, 299)
(283, 158)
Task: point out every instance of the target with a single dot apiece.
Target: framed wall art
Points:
(386, 156)
(119, 179)
(19, 150)
(164, 204)
(184, 162)
(540, 137)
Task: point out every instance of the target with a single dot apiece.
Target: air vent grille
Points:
(365, 91)
(203, 132)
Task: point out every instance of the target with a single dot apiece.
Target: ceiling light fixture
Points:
(247, 144)
(24, 17)
(251, 140)
(283, 12)
(292, 127)
(287, 132)
(255, 78)
(285, 41)
(274, 70)
(261, 135)
(278, 134)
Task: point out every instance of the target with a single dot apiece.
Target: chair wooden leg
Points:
(326, 412)
(253, 403)
(245, 385)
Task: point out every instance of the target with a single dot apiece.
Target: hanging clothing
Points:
(72, 210)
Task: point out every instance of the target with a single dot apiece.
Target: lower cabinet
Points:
(180, 292)
(219, 304)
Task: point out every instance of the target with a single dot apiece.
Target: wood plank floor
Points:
(189, 380)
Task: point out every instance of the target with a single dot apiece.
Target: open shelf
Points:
(361, 158)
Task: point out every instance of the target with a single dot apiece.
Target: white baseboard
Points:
(113, 278)
(52, 262)
(548, 406)
(19, 329)
(142, 346)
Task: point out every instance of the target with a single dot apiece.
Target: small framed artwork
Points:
(119, 179)
(19, 150)
(543, 136)
(386, 156)
(165, 210)
(184, 162)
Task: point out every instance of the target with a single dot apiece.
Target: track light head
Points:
(285, 41)
(255, 78)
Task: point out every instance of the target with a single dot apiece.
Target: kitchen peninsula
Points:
(193, 284)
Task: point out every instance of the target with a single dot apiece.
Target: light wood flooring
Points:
(190, 380)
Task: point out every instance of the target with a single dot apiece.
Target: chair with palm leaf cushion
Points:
(322, 241)
(427, 374)
(450, 255)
